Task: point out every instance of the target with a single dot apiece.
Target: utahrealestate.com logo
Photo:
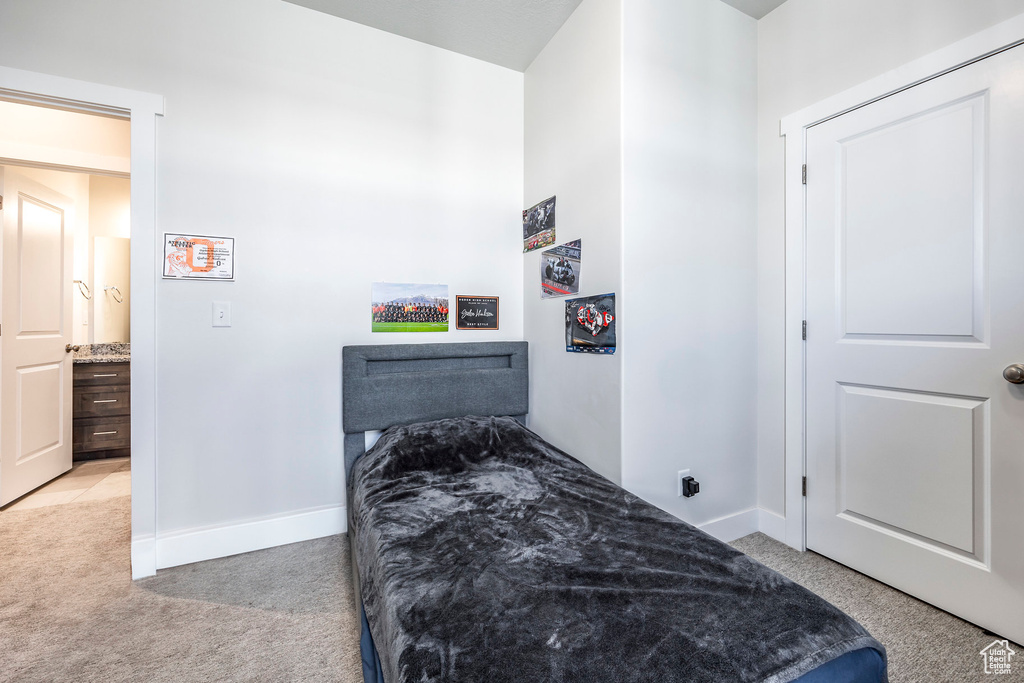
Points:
(997, 657)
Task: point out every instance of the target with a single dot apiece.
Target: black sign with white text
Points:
(476, 312)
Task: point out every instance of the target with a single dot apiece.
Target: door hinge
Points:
(803, 175)
(1, 202)
(804, 491)
(803, 331)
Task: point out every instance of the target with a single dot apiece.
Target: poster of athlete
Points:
(590, 324)
(539, 225)
(560, 270)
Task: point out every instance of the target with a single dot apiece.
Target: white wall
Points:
(807, 51)
(573, 150)
(689, 140)
(336, 155)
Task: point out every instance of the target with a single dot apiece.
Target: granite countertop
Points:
(117, 352)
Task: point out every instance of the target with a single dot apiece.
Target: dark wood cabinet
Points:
(102, 410)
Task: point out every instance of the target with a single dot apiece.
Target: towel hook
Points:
(118, 297)
(87, 293)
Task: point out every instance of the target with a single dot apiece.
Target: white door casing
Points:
(35, 368)
(143, 109)
(915, 304)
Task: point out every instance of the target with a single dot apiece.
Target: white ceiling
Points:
(509, 33)
(754, 8)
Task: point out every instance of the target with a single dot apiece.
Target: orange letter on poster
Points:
(209, 257)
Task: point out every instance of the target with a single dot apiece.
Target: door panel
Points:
(40, 240)
(35, 369)
(40, 417)
(907, 235)
(897, 434)
(915, 304)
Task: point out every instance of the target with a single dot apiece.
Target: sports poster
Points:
(198, 257)
(590, 324)
(404, 307)
(560, 270)
(539, 225)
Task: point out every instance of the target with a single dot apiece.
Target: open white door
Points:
(35, 368)
(915, 305)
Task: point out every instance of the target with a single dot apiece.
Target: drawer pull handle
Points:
(107, 400)
(113, 374)
(103, 433)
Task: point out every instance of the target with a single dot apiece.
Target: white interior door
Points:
(915, 305)
(35, 369)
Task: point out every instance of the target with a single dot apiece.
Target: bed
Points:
(483, 553)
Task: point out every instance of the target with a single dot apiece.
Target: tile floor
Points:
(87, 480)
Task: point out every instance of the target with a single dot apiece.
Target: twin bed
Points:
(483, 553)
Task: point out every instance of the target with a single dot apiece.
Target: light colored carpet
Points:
(70, 612)
(925, 644)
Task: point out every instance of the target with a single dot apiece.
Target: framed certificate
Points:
(198, 257)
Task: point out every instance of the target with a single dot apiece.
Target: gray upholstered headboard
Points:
(396, 384)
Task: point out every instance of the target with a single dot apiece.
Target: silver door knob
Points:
(1014, 373)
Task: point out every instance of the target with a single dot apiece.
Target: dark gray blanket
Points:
(486, 554)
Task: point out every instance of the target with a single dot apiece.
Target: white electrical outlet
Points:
(679, 482)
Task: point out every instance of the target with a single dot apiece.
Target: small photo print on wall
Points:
(403, 307)
(560, 270)
(539, 225)
(590, 324)
(476, 312)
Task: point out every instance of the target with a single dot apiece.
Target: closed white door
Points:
(915, 305)
(35, 369)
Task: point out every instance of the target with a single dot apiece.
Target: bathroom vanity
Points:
(102, 402)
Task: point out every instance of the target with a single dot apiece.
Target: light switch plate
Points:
(222, 314)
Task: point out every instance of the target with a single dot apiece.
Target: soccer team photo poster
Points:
(590, 324)
(560, 270)
(404, 307)
(539, 225)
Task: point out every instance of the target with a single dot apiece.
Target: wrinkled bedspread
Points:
(487, 555)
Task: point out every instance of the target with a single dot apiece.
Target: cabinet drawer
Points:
(100, 401)
(100, 433)
(102, 374)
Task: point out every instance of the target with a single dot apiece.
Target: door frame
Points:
(141, 108)
(793, 129)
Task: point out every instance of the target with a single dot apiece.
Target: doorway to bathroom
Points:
(65, 424)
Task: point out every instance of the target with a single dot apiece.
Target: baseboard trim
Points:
(731, 527)
(143, 557)
(209, 543)
(771, 524)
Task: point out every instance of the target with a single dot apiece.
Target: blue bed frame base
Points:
(860, 666)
